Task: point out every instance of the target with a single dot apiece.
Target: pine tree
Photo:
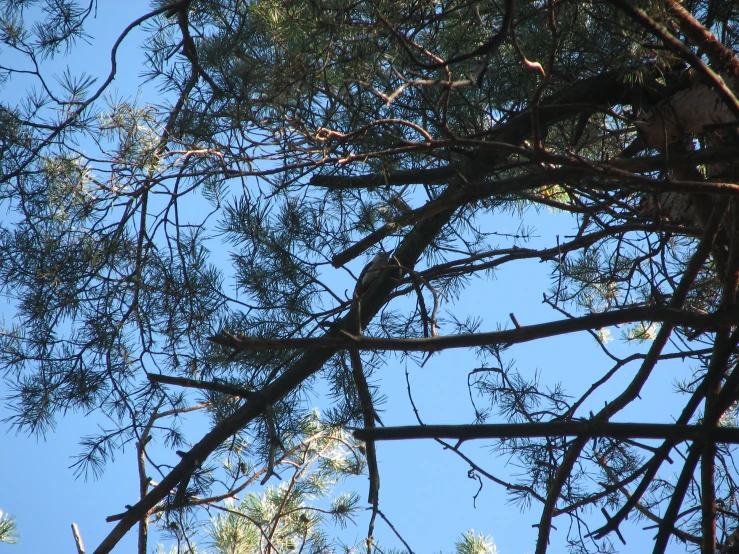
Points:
(179, 254)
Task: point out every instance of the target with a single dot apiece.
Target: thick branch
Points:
(512, 336)
(721, 57)
(583, 429)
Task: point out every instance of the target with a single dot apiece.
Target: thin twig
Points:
(78, 539)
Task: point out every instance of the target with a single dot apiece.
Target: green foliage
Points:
(476, 544)
(293, 515)
(8, 529)
(290, 142)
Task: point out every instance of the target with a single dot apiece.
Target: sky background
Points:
(424, 490)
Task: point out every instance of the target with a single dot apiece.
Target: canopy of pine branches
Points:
(194, 251)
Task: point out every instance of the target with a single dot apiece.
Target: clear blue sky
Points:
(424, 490)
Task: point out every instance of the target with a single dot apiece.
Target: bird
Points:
(371, 272)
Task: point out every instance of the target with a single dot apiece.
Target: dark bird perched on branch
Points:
(371, 272)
